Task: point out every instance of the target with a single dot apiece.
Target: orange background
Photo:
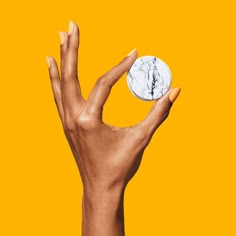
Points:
(186, 183)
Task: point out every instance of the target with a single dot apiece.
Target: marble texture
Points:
(149, 78)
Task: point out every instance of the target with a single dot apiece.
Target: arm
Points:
(107, 157)
(103, 213)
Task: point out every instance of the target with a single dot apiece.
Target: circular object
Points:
(149, 78)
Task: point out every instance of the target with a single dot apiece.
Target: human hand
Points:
(107, 156)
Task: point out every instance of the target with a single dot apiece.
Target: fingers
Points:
(55, 83)
(63, 45)
(104, 84)
(70, 88)
(159, 112)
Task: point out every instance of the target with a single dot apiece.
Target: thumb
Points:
(159, 111)
(174, 94)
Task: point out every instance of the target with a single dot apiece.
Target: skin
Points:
(107, 157)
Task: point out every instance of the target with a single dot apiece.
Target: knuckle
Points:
(67, 77)
(164, 114)
(104, 81)
(101, 81)
(51, 76)
(86, 122)
(69, 124)
(72, 45)
(68, 74)
(163, 111)
(140, 136)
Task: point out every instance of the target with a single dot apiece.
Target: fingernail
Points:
(48, 61)
(134, 50)
(174, 94)
(71, 27)
(62, 37)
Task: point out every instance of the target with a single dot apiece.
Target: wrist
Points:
(98, 199)
(103, 212)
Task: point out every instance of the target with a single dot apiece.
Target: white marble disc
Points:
(149, 78)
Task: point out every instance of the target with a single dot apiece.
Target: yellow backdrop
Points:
(186, 183)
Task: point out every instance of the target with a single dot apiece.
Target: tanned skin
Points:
(107, 157)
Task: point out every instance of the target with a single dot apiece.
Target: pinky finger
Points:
(55, 83)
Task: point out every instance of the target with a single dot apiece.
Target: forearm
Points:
(103, 213)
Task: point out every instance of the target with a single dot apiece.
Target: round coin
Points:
(149, 78)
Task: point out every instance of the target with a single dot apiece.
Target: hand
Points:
(107, 156)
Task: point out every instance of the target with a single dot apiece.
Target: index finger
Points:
(104, 84)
